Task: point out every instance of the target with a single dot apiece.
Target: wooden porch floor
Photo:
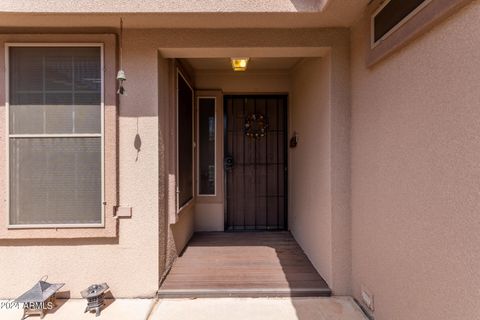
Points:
(243, 264)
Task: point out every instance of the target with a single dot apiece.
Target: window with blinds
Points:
(55, 115)
(391, 14)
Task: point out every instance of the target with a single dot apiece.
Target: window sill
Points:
(186, 206)
(55, 226)
(178, 213)
(63, 232)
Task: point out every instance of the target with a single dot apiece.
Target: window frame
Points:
(199, 146)
(179, 208)
(418, 22)
(100, 45)
(374, 43)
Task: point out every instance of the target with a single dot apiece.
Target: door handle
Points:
(228, 162)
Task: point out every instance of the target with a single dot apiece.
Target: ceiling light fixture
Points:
(239, 64)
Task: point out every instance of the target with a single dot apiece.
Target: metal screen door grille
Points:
(256, 182)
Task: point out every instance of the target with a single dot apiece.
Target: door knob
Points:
(228, 162)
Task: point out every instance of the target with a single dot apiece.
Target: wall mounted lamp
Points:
(121, 77)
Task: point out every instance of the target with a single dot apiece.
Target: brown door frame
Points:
(285, 155)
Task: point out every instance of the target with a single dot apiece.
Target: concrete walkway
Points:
(72, 309)
(334, 308)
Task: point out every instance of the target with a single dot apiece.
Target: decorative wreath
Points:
(256, 126)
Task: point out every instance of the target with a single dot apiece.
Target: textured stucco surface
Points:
(310, 207)
(183, 229)
(146, 181)
(160, 6)
(209, 217)
(311, 182)
(415, 173)
(181, 14)
(338, 41)
(81, 262)
(248, 82)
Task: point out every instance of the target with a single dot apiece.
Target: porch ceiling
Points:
(257, 52)
(255, 64)
(181, 14)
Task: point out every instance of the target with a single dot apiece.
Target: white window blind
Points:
(55, 135)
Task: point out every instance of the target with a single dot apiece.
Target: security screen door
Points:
(256, 162)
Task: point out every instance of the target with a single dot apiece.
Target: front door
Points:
(255, 162)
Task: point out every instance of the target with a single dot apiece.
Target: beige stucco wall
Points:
(209, 216)
(180, 14)
(415, 173)
(81, 262)
(334, 41)
(310, 208)
(248, 82)
(160, 6)
(183, 230)
(145, 243)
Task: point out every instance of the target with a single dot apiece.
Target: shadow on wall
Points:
(137, 143)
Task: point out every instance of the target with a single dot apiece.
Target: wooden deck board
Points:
(255, 264)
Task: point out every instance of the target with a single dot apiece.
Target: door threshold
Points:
(251, 293)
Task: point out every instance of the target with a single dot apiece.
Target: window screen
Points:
(55, 180)
(185, 141)
(206, 148)
(55, 135)
(392, 14)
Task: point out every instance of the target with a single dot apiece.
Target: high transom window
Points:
(55, 135)
(391, 15)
